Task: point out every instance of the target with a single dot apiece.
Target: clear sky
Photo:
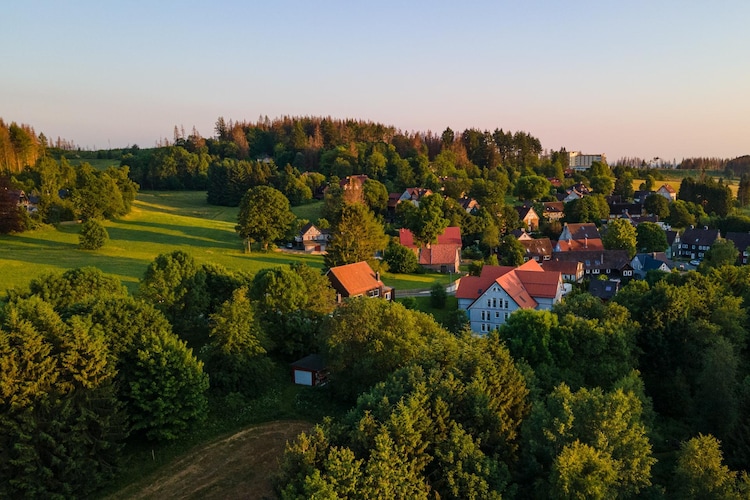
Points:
(625, 78)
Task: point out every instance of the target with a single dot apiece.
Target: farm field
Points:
(160, 222)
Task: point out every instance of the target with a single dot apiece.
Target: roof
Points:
(355, 278)
(583, 230)
(438, 254)
(604, 259)
(540, 246)
(702, 237)
(563, 266)
(312, 362)
(522, 283)
(604, 289)
(741, 240)
(525, 210)
(671, 235)
(451, 236)
(591, 245)
(666, 187)
(553, 206)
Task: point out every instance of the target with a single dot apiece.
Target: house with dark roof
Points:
(607, 262)
(468, 204)
(742, 243)
(572, 271)
(443, 256)
(695, 242)
(414, 195)
(604, 289)
(490, 298)
(312, 239)
(553, 210)
(654, 261)
(539, 249)
(528, 216)
(674, 241)
(358, 280)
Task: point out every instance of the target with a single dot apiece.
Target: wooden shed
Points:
(310, 370)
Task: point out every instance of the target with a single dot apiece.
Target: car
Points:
(695, 262)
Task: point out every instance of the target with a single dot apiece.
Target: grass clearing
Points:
(160, 222)
(310, 211)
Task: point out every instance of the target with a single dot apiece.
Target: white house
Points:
(490, 298)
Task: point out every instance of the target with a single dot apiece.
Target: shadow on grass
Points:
(191, 236)
(279, 259)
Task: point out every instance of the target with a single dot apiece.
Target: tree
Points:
(582, 471)
(11, 220)
(356, 237)
(650, 238)
(680, 215)
(236, 359)
(657, 205)
(400, 259)
(93, 235)
(532, 187)
(700, 472)
(620, 235)
(602, 184)
(427, 222)
(264, 216)
(624, 186)
(438, 296)
(511, 251)
(743, 192)
(591, 208)
(164, 386)
(722, 253)
(375, 196)
(76, 286)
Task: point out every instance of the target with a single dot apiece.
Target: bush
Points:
(400, 259)
(93, 236)
(438, 296)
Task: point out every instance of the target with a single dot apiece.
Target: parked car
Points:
(695, 262)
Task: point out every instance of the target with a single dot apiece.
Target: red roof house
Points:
(358, 280)
(443, 256)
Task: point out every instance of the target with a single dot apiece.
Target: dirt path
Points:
(236, 467)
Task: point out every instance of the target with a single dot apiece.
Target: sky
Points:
(668, 79)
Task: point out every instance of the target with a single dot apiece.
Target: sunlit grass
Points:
(160, 222)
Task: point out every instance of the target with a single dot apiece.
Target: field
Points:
(160, 222)
(674, 178)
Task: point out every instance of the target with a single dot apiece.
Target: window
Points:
(627, 273)
(494, 302)
(506, 316)
(489, 303)
(482, 327)
(483, 315)
(497, 314)
(374, 293)
(596, 271)
(506, 304)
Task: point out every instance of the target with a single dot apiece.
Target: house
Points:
(695, 242)
(556, 183)
(668, 192)
(742, 243)
(490, 298)
(619, 210)
(537, 249)
(414, 195)
(468, 204)
(572, 271)
(570, 195)
(579, 237)
(358, 280)
(553, 210)
(673, 240)
(443, 256)
(654, 261)
(595, 263)
(528, 215)
(604, 289)
(312, 239)
(639, 196)
(310, 370)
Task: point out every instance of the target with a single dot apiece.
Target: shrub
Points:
(93, 236)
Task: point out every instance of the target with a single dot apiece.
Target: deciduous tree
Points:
(264, 216)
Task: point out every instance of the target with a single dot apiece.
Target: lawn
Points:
(160, 222)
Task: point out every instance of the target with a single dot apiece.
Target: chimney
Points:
(377, 275)
(585, 242)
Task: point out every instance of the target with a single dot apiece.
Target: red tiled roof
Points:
(540, 284)
(564, 267)
(513, 285)
(439, 254)
(593, 244)
(471, 287)
(667, 188)
(356, 278)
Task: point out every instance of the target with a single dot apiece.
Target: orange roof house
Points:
(579, 237)
(358, 280)
(443, 256)
(498, 291)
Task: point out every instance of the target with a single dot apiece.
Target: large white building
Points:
(580, 162)
(491, 297)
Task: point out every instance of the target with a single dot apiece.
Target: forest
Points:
(647, 395)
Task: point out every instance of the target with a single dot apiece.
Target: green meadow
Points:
(160, 222)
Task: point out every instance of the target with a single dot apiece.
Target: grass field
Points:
(160, 222)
